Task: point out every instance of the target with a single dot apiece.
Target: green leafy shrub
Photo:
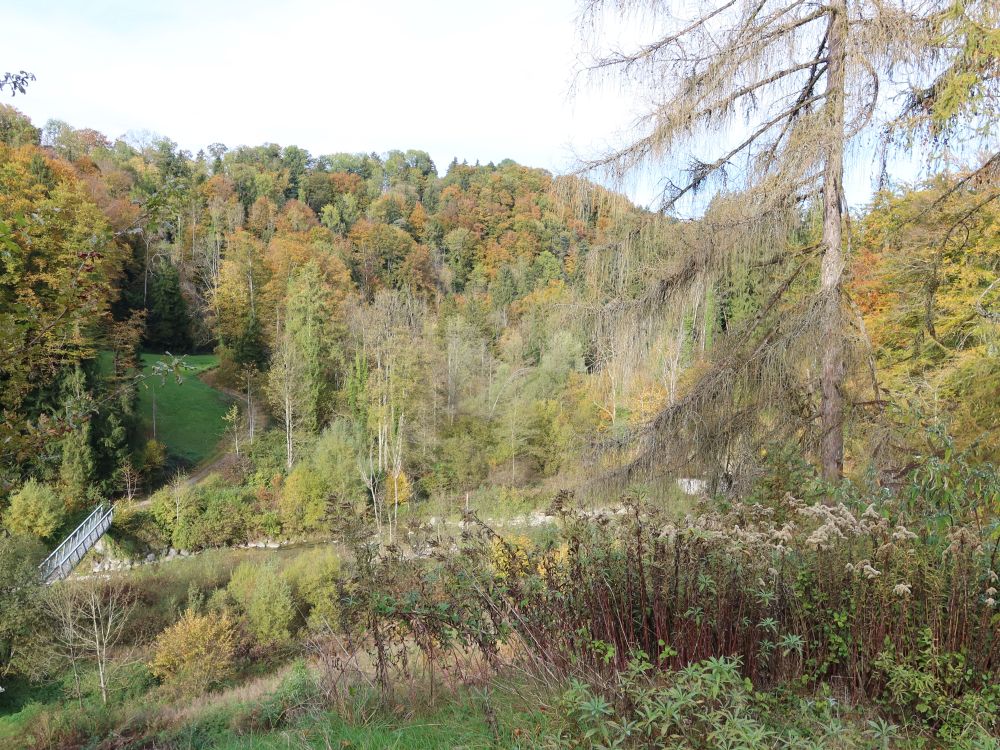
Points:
(335, 456)
(302, 504)
(153, 457)
(171, 507)
(242, 583)
(313, 579)
(266, 524)
(951, 483)
(267, 459)
(35, 509)
(225, 515)
(326, 479)
(941, 692)
(265, 598)
(706, 705)
(709, 705)
(137, 530)
(210, 514)
(545, 436)
(466, 445)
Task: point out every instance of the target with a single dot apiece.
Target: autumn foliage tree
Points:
(928, 286)
(59, 275)
(762, 100)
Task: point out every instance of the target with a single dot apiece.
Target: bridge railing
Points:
(64, 558)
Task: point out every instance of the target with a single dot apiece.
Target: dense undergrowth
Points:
(857, 616)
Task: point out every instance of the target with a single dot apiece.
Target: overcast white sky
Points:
(457, 78)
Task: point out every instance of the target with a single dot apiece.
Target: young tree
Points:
(249, 376)
(224, 216)
(89, 619)
(304, 355)
(21, 593)
(36, 510)
(285, 389)
(234, 426)
(130, 478)
(775, 92)
(392, 384)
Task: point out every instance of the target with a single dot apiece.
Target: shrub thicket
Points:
(313, 577)
(325, 481)
(35, 509)
(195, 653)
(210, 514)
(886, 595)
(265, 598)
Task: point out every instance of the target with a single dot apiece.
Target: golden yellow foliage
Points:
(927, 285)
(399, 488)
(195, 653)
(554, 564)
(509, 555)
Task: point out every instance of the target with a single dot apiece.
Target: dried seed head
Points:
(903, 534)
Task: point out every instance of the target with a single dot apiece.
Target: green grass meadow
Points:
(436, 730)
(189, 414)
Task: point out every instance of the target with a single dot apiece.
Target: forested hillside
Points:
(484, 456)
(444, 323)
(491, 325)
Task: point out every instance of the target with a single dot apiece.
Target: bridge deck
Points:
(64, 558)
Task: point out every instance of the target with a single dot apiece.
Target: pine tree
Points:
(76, 468)
(303, 359)
(168, 323)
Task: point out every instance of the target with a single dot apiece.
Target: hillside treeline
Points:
(491, 325)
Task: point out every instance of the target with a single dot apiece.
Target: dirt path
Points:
(226, 458)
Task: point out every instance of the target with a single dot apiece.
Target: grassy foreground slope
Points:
(457, 722)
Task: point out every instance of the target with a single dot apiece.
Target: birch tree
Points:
(285, 388)
(386, 387)
(88, 622)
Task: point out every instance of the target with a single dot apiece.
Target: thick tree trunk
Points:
(251, 422)
(832, 271)
(289, 461)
